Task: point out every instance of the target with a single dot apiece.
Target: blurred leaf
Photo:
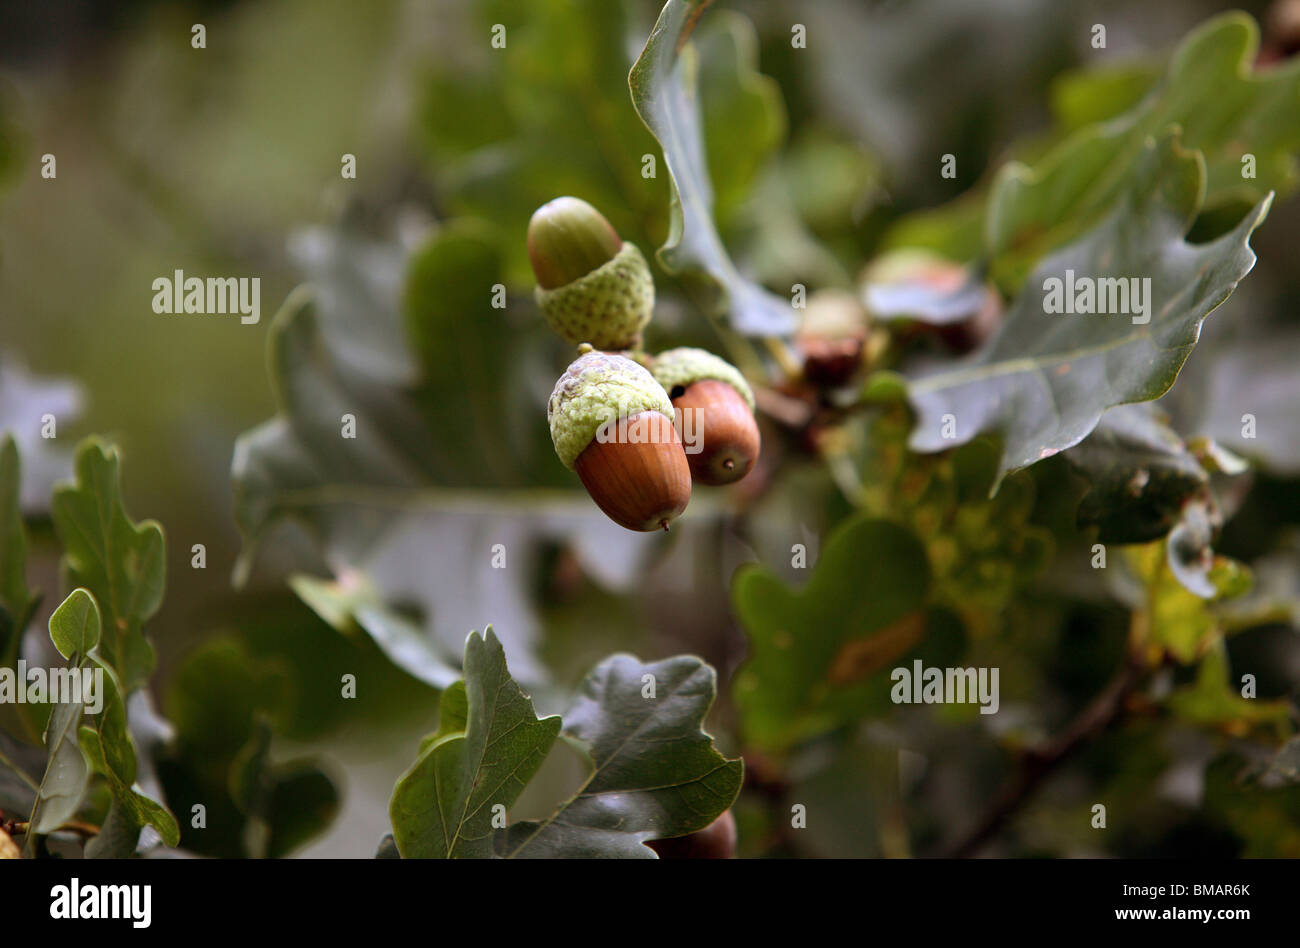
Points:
(1101, 92)
(225, 701)
(1045, 380)
(1214, 699)
(17, 764)
(742, 114)
(1266, 819)
(1141, 472)
(1033, 210)
(655, 772)
(911, 284)
(663, 86)
(510, 128)
(821, 655)
(471, 357)
(218, 694)
(387, 507)
(16, 601)
(1243, 393)
(443, 807)
(286, 804)
(120, 562)
(1285, 765)
(1181, 621)
(24, 401)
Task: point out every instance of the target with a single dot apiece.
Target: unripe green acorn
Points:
(612, 423)
(716, 407)
(592, 286)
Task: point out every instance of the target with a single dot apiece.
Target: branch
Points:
(1037, 764)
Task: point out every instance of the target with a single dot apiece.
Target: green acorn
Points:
(592, 286)
(716, 413)
(612, 423)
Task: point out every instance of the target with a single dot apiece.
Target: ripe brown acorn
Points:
(644, 485)
(715, 411)
(725, 425)
(612, 423)
(715, 841)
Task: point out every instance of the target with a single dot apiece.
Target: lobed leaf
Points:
(663, 83)
(1045, 380)
(117, 560)
(445, 805)
(655, 772)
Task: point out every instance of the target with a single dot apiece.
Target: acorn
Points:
(832, 338)
(715, 408)
(715, 841)
(612, 423)
(592, 286)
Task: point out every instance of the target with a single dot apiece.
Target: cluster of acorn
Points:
(596, 291)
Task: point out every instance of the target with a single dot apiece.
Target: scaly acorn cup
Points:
(592, 286)
(612, 423)
(716, 413)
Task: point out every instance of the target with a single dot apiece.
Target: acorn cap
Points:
(592, 286)
(598, 387)
(686, 365)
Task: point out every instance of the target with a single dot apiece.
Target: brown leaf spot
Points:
(861, 657)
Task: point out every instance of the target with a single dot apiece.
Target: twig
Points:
(1037, 764)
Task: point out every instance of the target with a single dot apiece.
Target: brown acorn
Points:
(715, 841)
(613, 424)
(715, 413)
(832, 338)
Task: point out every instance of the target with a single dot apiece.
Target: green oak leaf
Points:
(655, 772)
(74, 623)
(443, 806)
(1210, 90)
(110, 751)
(821, 655)
(119, 561)
(663, 83)
(1045, 380)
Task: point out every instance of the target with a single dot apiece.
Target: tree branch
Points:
(1037, 764)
